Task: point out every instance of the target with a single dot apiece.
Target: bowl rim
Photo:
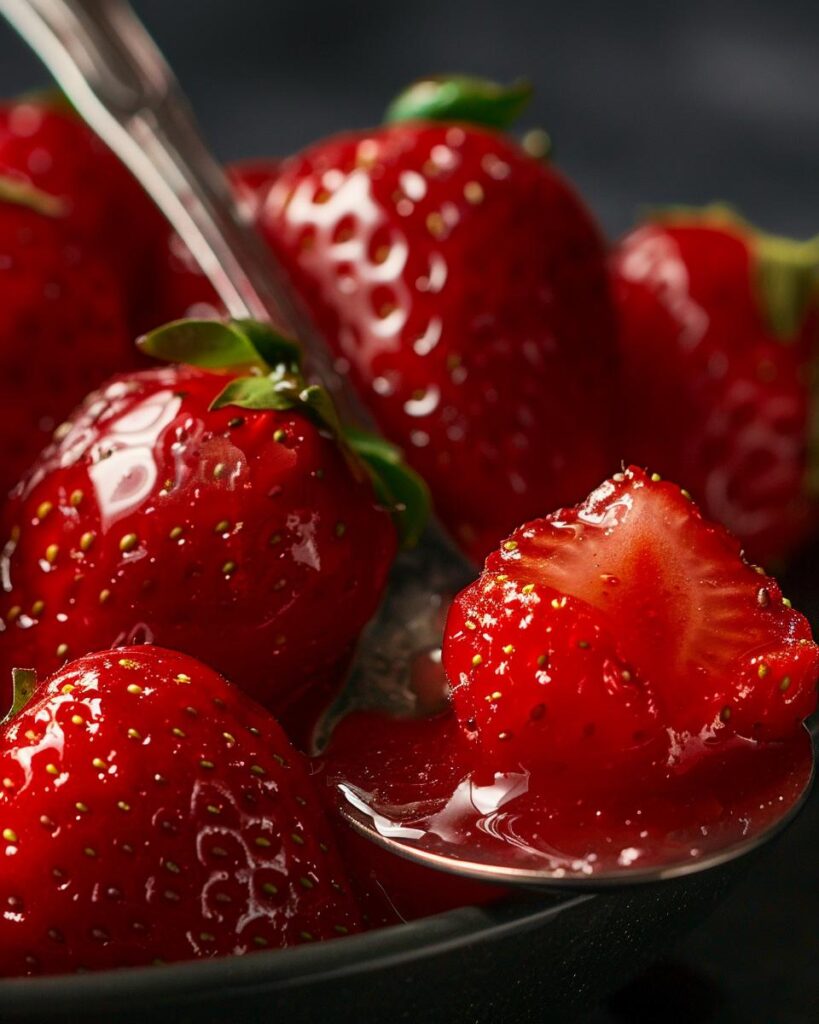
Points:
(192, 981)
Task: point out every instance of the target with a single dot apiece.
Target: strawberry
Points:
(43, 143)
(218, 515)
(717, 332)
(62, 322)
(462, 284)
(150, 812)
(626, 629)
(547, 682)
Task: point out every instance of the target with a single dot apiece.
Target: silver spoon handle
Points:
(113, 73)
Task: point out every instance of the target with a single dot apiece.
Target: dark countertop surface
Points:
(646, 103)
(755, 961)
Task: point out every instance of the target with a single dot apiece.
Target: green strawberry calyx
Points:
(787, 279)
(19, 192)
(785, 270)
(460, 98)
(24, 682)
(270, 378)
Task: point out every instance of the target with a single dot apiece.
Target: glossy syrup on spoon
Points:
(408, 784)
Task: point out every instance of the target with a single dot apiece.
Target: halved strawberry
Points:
(639, 583)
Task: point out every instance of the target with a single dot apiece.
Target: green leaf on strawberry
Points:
(23, 193)
(787, 274)
(209, 344)
(280, 385)
(259, 393)
(717, 337)
(460, 98)
(396, 485)
(24, 682)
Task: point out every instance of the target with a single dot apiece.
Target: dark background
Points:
(646, 102)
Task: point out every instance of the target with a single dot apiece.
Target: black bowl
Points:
(521, 960)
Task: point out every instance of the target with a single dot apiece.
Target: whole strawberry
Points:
(218, 515)
(628, 630)
(45, 144)
(62, 323)
(462, 284)
(150, 813)
(717, 332)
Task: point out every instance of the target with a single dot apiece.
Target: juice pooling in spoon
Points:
(627, 700)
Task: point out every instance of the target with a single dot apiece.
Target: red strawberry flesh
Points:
(537, 677)
(627, 694)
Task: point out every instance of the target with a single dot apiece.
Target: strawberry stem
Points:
(460, 98)
(51, 97)
(24, 682)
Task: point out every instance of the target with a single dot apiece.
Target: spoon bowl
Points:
(737, 806)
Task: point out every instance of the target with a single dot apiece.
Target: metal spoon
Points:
(114, 74)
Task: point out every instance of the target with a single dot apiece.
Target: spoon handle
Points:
(113, 73)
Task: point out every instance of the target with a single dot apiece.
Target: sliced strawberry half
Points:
(719, 649)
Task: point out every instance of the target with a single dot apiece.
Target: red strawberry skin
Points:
(244, 538)
(44, 143)
(712, 398)
(62, 330)
(627, 622)
(537, 677)
(463, 285)
(151, 812)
